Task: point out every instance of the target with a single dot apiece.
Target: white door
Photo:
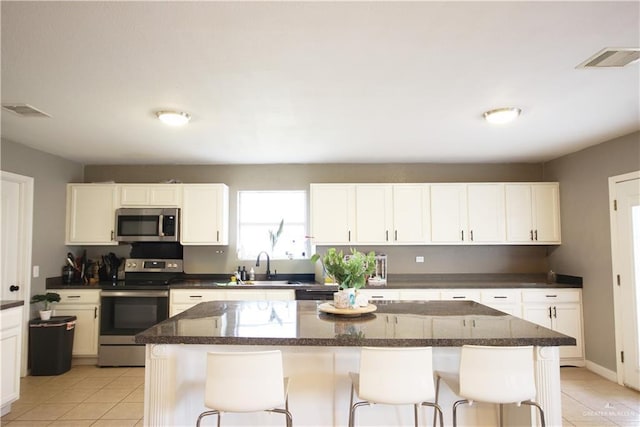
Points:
(15, 249)
(627, 267)
(12, 285)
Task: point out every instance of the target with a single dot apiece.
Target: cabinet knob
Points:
(14, 288)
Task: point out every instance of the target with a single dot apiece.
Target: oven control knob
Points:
(172, 265)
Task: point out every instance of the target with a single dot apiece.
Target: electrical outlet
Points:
(419, 259)
(36, 271)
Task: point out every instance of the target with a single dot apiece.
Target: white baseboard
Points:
(602, 371)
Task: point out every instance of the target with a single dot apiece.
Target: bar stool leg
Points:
(436, 402)
(437, 410)
(455, 410)
(540, 411)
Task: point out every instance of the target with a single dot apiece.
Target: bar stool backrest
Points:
(497, 374)
(396, 376)
(244, 381)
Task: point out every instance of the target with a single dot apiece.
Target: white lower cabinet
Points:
(10, 354)
(373, 294)
(85, 305)
(557, 309)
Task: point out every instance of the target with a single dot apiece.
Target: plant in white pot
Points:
(349, 272)
(47, 299)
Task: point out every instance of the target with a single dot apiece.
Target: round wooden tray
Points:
(327, 307)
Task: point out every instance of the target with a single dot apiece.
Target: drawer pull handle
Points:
(500, 297)
(377, 296)
(459, 297)
(73, 296)
(551, 296)
(195, 296)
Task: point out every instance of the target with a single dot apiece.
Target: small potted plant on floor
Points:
(349, 272)
(47, 299)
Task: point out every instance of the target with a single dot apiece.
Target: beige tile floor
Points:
(84, 396)
(91, 396)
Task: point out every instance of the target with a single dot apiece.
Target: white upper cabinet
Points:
(205, 214)
(374, 213)
(141, 195)
(381, 214)
(91, 214)
(438, 213)
(333, 213)
(486, 214)
(448, 213)
(533, 213)
(411, 213)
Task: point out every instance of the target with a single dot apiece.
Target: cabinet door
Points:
(91, 214)
(332, 213)
(448, 213)
(519, 219)
(540, 314)
(485, 207)
(546, 212)
(411, 213)
(10, 351)
(374, 213)
(419, 295)
(85, 338)
(150, 195)
(380, 294)
(205, 214)
(567, 319)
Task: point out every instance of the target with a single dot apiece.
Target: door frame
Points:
(615, 261)
(25, 236)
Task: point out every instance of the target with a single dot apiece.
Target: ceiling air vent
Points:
(24, 110)
(612, 57)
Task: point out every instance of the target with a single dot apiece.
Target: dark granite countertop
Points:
(6, 304)
(394, 324)
(395, 281)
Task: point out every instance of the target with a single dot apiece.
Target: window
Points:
(259, 216)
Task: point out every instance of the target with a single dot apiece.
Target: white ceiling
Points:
(316, 82)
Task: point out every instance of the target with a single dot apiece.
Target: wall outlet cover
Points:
(419, 259)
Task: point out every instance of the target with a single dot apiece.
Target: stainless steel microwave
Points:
(147, 224)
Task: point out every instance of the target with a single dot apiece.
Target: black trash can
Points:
(51, 344)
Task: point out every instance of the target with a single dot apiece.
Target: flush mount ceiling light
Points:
(174, 118)
(501, 116)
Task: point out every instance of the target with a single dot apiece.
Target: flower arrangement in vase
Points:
(350, 272)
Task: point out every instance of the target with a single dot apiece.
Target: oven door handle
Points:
(134, 293)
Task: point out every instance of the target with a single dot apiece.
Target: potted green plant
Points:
(47, 299)
(349, 272)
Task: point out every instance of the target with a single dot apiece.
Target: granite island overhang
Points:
(320, 349)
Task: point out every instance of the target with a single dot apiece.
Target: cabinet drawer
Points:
(550, 295)
(419, 295)
(195, 296)
(500, 296)
(77, 296)
(460, 295)
(380, 294)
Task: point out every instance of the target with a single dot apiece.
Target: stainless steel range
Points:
(132, 306)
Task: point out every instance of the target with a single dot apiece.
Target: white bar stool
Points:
(245, 382)
(498, 375)
(394, 376)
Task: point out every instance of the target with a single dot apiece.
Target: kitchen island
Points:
(320, 349)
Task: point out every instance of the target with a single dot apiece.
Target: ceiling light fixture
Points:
(173, 118)
(501, 116)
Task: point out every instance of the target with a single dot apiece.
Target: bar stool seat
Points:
(245, 382)
(394, 376)
(492, 374)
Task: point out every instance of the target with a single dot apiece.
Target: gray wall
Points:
(50, 176)
(438, 259)
(586, 238)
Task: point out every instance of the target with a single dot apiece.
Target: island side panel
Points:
(547, 366)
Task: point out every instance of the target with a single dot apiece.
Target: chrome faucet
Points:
(258, 264)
